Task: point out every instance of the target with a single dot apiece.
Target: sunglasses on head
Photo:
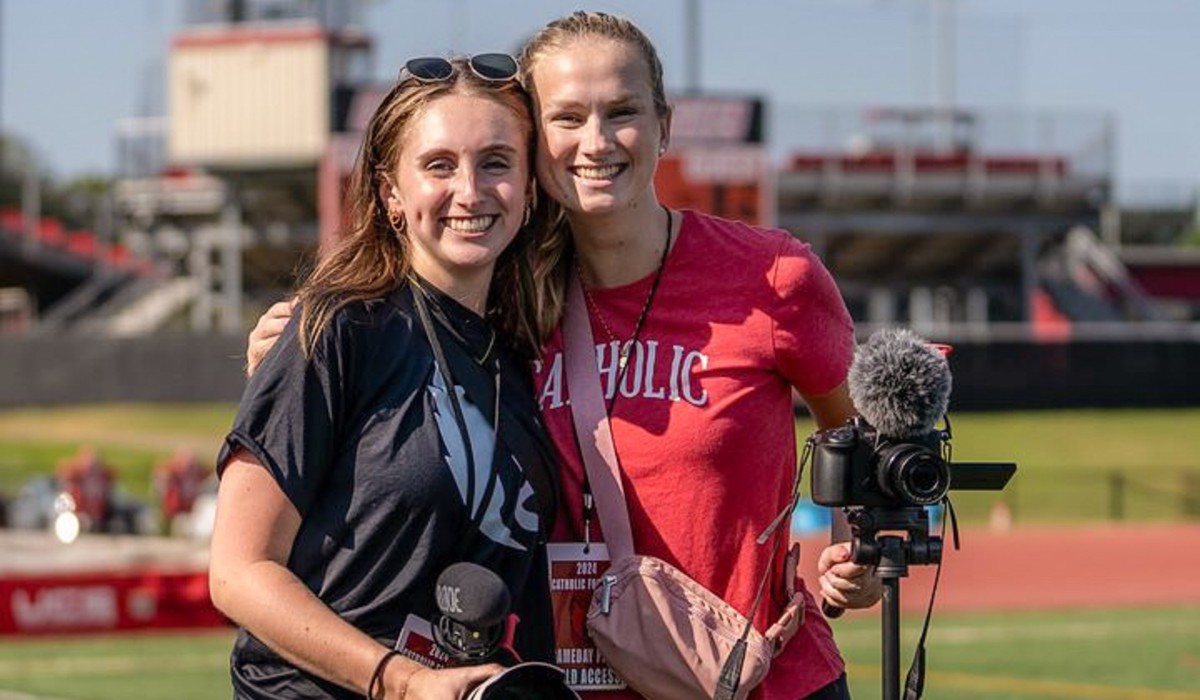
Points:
(494, 67)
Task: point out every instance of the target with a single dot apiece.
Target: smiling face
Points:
(599, 134)
(460, 181)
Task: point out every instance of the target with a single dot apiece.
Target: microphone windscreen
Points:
(472, 595)
(899, 383)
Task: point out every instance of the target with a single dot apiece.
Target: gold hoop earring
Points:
(397, 221)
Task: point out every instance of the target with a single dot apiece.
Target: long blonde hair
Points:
(555, 251)
(372, 259)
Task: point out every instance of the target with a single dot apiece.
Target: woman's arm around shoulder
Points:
(267, 331)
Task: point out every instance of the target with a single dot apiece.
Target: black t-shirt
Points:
(362, 439)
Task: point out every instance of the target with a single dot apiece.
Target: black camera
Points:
(854, 465)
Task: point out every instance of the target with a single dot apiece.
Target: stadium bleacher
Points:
(65, 271)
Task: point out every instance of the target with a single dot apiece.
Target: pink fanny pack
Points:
(666, 635)
(669, 637)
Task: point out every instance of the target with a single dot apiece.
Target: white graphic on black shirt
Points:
(483, 445)
(527, 519)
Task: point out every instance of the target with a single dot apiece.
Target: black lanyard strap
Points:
(443, 366)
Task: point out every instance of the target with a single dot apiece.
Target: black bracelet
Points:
(377, 674)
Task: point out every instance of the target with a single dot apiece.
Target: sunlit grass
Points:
(1067, 460)
(1126, 654)
(1121, 654)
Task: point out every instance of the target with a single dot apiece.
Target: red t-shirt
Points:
(703, 424)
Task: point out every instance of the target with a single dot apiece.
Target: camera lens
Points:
(914, 474)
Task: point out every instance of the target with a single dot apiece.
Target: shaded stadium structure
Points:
(970, 226)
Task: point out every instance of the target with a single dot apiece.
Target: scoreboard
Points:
(717, 162)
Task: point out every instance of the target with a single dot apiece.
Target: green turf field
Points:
(1149, 654)
(1122, 654)
(132, 438)
(1070, 463)
(153, 666)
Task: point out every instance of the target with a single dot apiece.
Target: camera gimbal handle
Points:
(891, 554)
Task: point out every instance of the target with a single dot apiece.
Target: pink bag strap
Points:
(593, 433)
(592, 429)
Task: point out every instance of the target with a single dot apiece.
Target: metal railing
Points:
(1117, 494)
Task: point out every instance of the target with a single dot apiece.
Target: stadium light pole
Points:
(691, 24)
(945, 74)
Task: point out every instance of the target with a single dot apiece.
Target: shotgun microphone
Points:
(900, 384)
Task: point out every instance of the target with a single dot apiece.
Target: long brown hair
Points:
(372, 259)
(555, 251)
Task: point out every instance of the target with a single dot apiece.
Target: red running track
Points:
(1029, 568)
(106, 584)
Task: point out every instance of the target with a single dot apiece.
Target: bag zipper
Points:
(606, 593)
